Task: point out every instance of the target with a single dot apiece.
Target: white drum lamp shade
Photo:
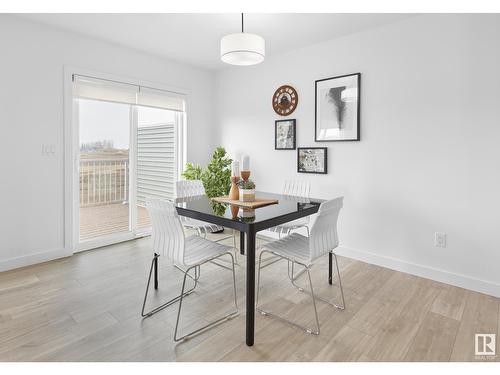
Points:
(242, 49)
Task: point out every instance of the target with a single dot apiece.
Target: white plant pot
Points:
(247, 195)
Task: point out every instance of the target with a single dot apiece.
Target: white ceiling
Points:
(194, 38)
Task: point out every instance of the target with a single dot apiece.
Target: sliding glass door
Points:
(127, 153)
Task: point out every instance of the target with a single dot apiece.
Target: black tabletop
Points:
(288, 208)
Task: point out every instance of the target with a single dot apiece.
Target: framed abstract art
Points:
(337, 112)
(312, 160)
(284, 134)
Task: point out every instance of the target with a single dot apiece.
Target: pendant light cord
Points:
(242, 23)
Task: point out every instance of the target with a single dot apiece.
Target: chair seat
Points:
(198, 250)
(291, 225)
(294, 247)
(201, 225)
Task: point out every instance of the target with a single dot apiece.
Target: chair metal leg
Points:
(236, 248)
(290, 274)
(215, 322)
(220, 265)
(258, 280)
(288, 232)
(197, 273)
(294, 278)
(263, 312)
(155, 260)
(271, 260)
(170, 302)
(235, 253)
(330, 268)
(313, 296)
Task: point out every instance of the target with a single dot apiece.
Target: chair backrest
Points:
(167, 235)
(189, 188)
(297, 188)
(323, 237)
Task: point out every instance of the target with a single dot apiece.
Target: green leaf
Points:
(192, 172)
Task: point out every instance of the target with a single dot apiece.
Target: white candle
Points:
(245, 163)
(235, 168)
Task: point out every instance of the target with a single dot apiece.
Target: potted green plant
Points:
(216, 177)
(247, 190)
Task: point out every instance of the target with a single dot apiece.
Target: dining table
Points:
(249, 222)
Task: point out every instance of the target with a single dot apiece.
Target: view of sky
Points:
(111, 121)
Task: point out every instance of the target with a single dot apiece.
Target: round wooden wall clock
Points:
(285, 100)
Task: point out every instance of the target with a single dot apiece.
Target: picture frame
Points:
(312, 160)
(337, 108)
(285, 134)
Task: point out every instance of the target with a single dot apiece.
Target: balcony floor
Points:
(96, 221)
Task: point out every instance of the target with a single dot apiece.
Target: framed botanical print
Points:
(337, 111)
(284, 134)
(312, 160)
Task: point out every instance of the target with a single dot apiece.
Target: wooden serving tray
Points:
(255, 204)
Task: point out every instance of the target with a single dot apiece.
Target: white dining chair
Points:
(297, 190)
(189, 189)
(195, 188)
(301, 250)
(189, 253)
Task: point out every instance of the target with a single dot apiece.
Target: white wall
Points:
(429, 155)
(31, 114)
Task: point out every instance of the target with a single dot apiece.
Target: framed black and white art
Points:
(312, 160)
(284, 135)
(337, 108)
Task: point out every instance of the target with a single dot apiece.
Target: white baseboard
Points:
(28, 260)
(462, 281)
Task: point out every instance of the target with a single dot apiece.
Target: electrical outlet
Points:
(48, 149)
(440, 239)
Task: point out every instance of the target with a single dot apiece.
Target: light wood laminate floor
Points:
(87, 308)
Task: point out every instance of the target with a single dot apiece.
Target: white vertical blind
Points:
(156, 167)
(118, 92)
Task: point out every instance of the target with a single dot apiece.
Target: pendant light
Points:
(242, 48)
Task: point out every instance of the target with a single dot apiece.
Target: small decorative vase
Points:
(234, 193)
(247, 195)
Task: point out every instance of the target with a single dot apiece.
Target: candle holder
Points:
(234, 193)
(245, 175)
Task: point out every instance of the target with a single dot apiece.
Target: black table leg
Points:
(242, 243)
(330, 268)
(156, 271)
(250, 286)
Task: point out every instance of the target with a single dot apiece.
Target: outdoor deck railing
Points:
(103, 181)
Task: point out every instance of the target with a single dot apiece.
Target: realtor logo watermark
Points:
(485, 345)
